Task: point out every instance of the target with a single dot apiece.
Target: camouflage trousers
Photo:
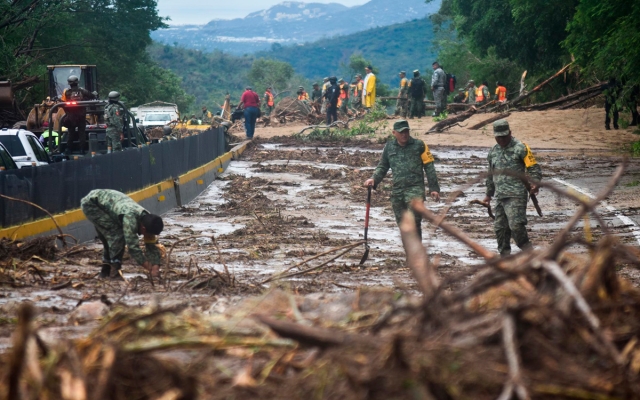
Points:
(344, 106)
(511, 220)
(325, 104)
(400, 202)
(417, 107)
(113, 140)
(402, 107)
(441, 100)
(109, 230)
(268, 110)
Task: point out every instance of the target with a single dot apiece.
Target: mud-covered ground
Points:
(283, 203)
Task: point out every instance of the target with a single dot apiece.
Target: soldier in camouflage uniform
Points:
(438, 81)
(403, 94)
(113, 119)
(119, 220)
(511, 194)
(409, 159)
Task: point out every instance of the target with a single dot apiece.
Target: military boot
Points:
(105, 270)
(115, 273)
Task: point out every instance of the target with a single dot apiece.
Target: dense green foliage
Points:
(498, 39)
(604, 36)
(111, 34)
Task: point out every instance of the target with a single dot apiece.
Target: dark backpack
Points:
(417, 87)
(450, 84)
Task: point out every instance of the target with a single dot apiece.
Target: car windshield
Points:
(13, 145)
(159, 117)
(5, 160)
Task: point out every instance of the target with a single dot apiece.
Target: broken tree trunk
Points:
(488, 121)
(599, 88)
(522, 97)
(442, 125)
(573, 103)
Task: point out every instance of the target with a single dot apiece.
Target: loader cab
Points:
(58, 75)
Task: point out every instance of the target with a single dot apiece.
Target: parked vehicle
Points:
(24, 147)
(6, 162)
(157, 113)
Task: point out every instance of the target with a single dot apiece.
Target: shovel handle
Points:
(366, 216)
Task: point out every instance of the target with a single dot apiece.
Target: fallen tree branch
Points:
(440, 126)
(64, 244)
(488, 121)
(417, 258)
(522, 97)
(599, 88)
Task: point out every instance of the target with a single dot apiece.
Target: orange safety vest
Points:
(479, 94)
(501, 91)
(269, 97)
(303, 96)
(344, 91)
(357, 88)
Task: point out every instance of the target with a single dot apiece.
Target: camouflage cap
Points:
(358, 75)
(403, 72)
(460, 90)
(325, 79)
(315, 84)
(400, 125)
(471, 81)
(416, 70)
(300, 87)
(501, 128)
(340, 80)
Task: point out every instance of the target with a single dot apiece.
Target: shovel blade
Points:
(365, 255)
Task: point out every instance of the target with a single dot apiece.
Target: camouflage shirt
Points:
(516, 157)
(113, 117)
(408, 163)
(122, 208)
(316, 95)
(439, 78)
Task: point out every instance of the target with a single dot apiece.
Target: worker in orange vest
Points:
(343, 100)
(268, 100)
(302, 94)
(482, 93)
(501, 93)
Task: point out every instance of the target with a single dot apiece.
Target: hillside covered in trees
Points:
(111, 34)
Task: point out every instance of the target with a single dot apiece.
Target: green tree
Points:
(276, 74)
(604, 36)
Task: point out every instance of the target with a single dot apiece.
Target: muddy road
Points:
(283, 203)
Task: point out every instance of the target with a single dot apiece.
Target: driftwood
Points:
(599, 88)
(488, 121)
(442, 125)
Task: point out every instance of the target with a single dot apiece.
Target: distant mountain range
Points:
(293, 23)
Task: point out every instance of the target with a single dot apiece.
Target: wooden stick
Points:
(440, 126)
(488, 121)
(581, 304)
(582, 100)
(64, 244)
(522, 97)
(313, 258)
(514, 384)
(417, 258)
(312, 268)
(418, 206)
(313, 336)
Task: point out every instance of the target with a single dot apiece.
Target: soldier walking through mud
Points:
(409, 159)
(511, 194)
(75, 117)
(118, 221)
(438, 81)
(113, 118)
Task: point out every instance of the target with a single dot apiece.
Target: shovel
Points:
(366, 227)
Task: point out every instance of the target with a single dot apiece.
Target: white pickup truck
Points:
(25, 148)
(157, 113)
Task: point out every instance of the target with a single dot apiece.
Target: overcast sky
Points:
(202, 11)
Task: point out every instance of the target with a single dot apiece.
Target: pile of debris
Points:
(539, 324)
